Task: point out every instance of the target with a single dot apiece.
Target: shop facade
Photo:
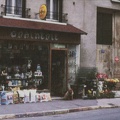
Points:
(42, 58)
(99, 48)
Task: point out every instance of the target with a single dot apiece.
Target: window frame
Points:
(13, 9)
(53, 13)
(104, 29)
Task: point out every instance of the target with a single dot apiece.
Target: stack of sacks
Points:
(27, 96)
(9, 97)
(23, 96)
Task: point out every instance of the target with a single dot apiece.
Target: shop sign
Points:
(43, 12)
(58, 46)
(34, 36)
(39, 35)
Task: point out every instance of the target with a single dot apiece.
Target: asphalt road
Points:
(101, 114)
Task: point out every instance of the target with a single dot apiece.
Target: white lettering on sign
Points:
(26, 35)
(36, 36)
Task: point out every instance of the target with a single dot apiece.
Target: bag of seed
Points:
(4, 100)
(38, 97)
(32, 95)
(9, 97)
(15, 95)
(21, 96)
(26, 96)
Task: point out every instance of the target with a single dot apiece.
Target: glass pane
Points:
(55, 9)
(19, 3)
(14, 7)
(48, 8)
(9, 6)
(55, 5)
(18, 8)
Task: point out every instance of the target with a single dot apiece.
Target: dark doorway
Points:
(58, 72)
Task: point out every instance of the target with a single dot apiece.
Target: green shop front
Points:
(38, 55)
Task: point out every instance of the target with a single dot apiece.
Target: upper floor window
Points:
(104, 28)
(14, 7)
(53, 7)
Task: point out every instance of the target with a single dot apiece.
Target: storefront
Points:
(38, 55)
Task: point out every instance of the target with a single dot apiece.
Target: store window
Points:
(104, 28)
(53, 9)
(20, 61)
(14, 7)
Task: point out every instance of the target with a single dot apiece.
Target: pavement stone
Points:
(58, 106)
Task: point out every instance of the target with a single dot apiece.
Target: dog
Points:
(69, 95)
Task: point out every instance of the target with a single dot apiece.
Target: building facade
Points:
(38, 48)
(100, 19)
(47, 35)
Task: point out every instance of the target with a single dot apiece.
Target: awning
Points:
(39, 25)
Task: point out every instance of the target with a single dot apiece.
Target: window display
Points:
(24, 64)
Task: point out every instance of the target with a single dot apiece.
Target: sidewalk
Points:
(56, 106)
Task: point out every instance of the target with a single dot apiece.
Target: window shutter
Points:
(104, 28)
(60, 10)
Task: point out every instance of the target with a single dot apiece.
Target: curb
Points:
(55, 112)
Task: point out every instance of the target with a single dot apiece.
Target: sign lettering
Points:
(36, 36)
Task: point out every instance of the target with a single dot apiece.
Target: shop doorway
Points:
(58, 72)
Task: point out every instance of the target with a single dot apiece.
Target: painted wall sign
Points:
(43, 12)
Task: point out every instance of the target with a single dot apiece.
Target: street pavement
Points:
(56, 106)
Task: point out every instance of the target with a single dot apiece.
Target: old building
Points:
(100, 19)
(48, 36)
(38, 48)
